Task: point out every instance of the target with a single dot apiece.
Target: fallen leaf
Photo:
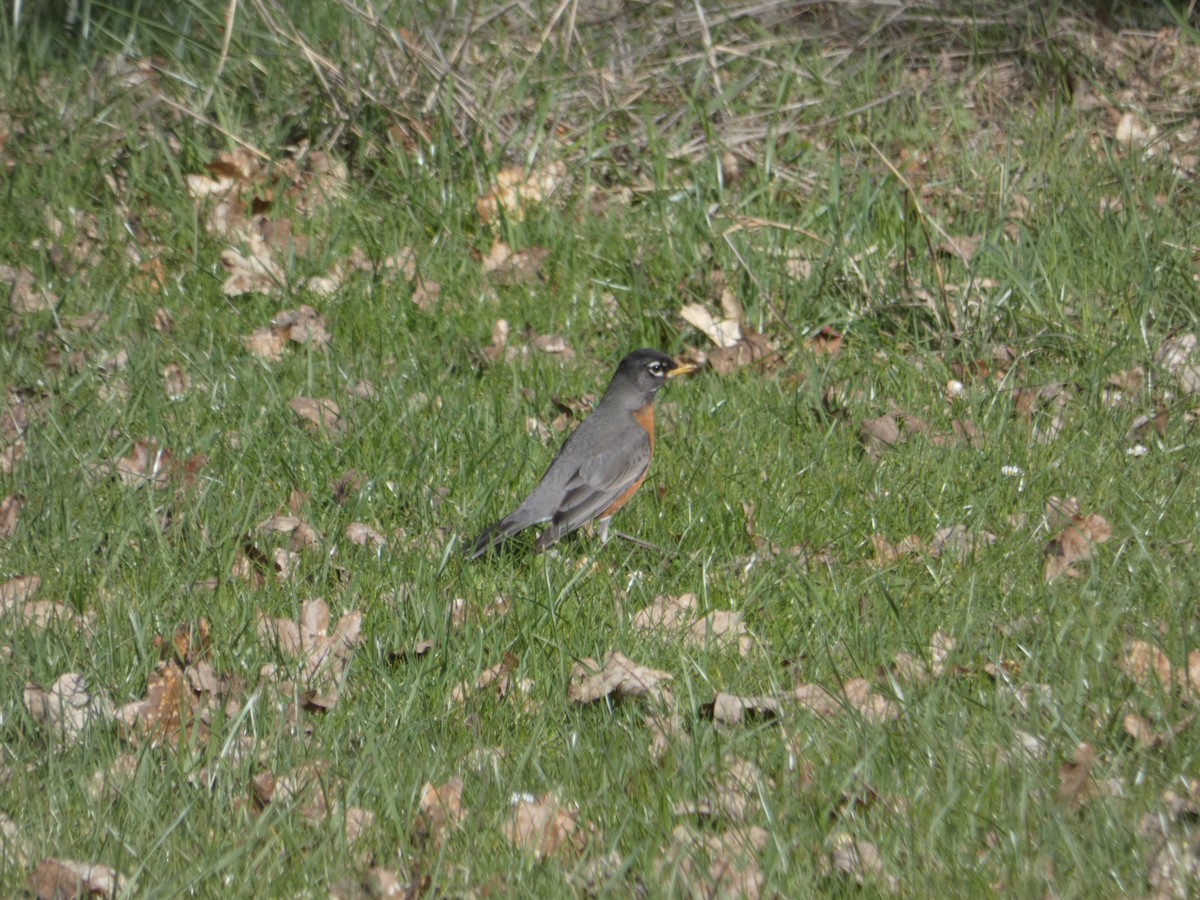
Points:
(666, 613)
(1075, 783)
(323, 657)
(545, 827)
(513, 190)
(266, 343)
(873, 707)
(1073, 544)
(303, 326)
(503, 265)
(956, 542)
(68, 708)
(725, 333)
(753, 349)
(158, 718)
(302, 535)
(858, 860)
(62, 879)
(730, 709)
(364, 535)
(1148, 666)
(176, 382)
(147, 464)
(737, 784)
(620, 677)
(439, 811)
(720, 630)
(667, 732)
(255, 272)
(14, 849)
(878, 434)
(321, 413)
(817, 700)
(499, 681)
(960, 246)
(25, 298)
(1044, 408)
(826, 342)
(732, 856)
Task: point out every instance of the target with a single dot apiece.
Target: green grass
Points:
(443, 448)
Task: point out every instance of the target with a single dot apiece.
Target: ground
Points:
(296, 304)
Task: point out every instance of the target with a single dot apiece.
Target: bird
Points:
(600, 466)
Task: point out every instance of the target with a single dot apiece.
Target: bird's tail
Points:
(494, 535)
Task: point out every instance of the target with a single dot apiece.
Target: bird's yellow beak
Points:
(681, 369)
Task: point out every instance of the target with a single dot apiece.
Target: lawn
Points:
(300, 300)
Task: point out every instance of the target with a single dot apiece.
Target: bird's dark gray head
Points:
(640, 374)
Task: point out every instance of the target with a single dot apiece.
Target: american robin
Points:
(602, 463)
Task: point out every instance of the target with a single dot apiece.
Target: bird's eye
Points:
(657, 368)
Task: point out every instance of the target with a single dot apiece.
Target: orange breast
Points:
(645, 418)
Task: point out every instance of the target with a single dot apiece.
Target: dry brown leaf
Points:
(266, 343)
(1147, 665)
(16, 591)
(302, 536)
(310, 792)
(253, 273)
(1146, 736)
(545, 827)
(159, 717)
(873, 707)
(957, 542)
(720, 630)
(667, 732)
(10, 456)
(147, 464)
(877, 435)
(554, 345)
(1073, 544)
(730, 709)
(960, 246)
(1043, 407)
(16, 599)
(63, 879)
(733, 869)
(619, 678)
(1176, 352)
(941, 645)
(14, 849)
(736, 787)
(666, 613)
(364, 535)
(753, 349)
(303, 326)
(24, 297)
(319, 413)
(859, 860)
(68, 708)
(500, 332)
(503, 265)
(323, 657)
(176, 382)
(724, 333)
(887, 553)
(500, 681)
(513, 190)
(826, 342)
(1189, 675)
(816, 700)
(1075, 783)
(439, 811)
(1173, 868)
